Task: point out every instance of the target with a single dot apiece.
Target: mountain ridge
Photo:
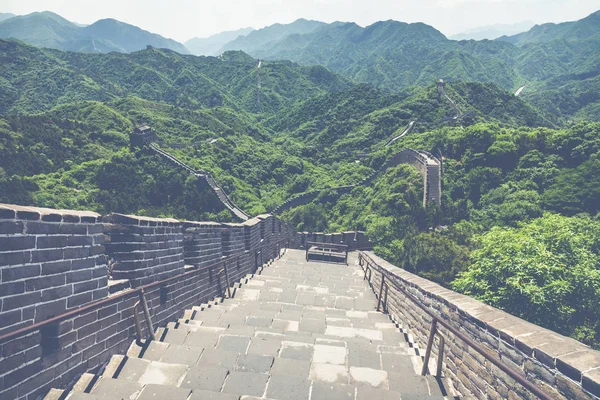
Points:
(47, 29)
(210, 46)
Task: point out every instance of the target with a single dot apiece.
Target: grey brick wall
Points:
(50, 261)
(54, 260)
(561, 366)
(143, 249)
(354, 240)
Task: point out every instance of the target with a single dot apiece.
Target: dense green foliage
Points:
(545, 271)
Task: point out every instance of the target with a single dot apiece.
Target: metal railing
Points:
(140, 291)
(434, 331)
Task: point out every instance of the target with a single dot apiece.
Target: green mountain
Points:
(127, 38)
(4, 16)
(271, 34)
(46, 29)
(396, 56)
(568, 31)
(211, 45)
(152, 74)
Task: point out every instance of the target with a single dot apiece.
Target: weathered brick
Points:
(57, 293)
(85, 286)
(11, 243)
(46, 255)
(21, 300)
(44, 282)
(14, 258)
(21, 343)
(50, 309)
(56, 267)
(11, 363)
(11, 227)
(83, 263)
(79, 299)
(78, 276)
(77, 252)
(51, 242)
(73, 229)
(9, 289)
(10, 317)
(79, 241)
(22, 373)
(42, 228)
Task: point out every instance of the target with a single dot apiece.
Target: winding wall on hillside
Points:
(428, 165)
(207, 177)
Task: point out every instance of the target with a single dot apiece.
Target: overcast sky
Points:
(184, 19)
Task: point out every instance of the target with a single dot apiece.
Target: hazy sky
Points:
(184, 19)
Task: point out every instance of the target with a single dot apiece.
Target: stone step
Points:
(54, 394)
(298, 331)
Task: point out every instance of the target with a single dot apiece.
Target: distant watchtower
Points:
(142, 135)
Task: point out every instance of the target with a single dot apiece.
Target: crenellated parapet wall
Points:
(355, 240)
(562, 367)
(57, 261)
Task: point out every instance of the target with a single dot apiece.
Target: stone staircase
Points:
(294, 330)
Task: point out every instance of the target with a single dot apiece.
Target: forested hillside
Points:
(549, 60)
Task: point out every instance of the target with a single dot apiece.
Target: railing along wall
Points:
(57, 316)
(486, 353)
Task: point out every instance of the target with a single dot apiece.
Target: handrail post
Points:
(380, 290)
(227, 279)
(136, 320)
(432, 333)
(147, 314)
(440, 358)
(385, 302)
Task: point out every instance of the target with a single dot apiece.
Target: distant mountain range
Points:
(211, 46)
(4, 16)
(492, 32)
(46, 29)
(272, 34)
(558, 63)
(570, 31)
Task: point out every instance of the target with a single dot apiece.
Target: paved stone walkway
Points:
(300, 330)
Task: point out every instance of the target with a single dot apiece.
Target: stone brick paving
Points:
(300, 330)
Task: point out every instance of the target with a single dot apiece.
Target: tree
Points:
(546, 271)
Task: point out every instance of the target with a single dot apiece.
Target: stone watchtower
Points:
(142, 135)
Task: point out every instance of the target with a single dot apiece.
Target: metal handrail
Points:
(139, 290)
(514, 374)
